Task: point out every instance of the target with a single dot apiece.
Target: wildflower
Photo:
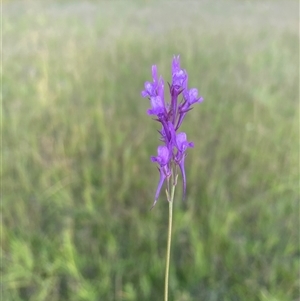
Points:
(171, 115)
(163, 158)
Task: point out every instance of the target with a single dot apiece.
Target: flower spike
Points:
(163, 158)
(171, 115)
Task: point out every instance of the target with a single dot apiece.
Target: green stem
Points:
(170, 199)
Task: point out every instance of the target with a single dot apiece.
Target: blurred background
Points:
(77, 179)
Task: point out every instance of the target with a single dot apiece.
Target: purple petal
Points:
(161, 87)
(163, 153)
(154, 74)
(182, 143)
(180, 139)
(158, 106)
(149, 90)
(179, 79)
(163, 156)
(193, 96)
(175, 64)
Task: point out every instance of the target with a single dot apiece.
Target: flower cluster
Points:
(171, 114)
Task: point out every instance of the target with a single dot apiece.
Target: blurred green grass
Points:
(76, 176)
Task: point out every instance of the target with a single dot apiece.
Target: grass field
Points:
(77, 181)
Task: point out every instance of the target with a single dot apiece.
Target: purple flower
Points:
(178, 79)
(171, 115)
(190, 98)
(158, 106)
(163, 158)
(151, 88)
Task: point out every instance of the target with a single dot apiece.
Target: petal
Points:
(157, 104)
(191, 144)
(164, 154)
(180, 141)
(154, 74)
(193, 96)
(149, 90)
(162, 157)
(179, 78)
(175, 64)
(161, 87)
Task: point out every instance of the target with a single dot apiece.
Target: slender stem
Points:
(170, 199)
